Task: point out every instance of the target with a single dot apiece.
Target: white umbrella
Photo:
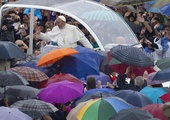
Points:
(13, 114)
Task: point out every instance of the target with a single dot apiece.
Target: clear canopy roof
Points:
(106, 26)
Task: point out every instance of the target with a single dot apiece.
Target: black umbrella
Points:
(133, 114)
(162, 75)
(132, 56)
(11, 78)
(22, 91)
(9, 51)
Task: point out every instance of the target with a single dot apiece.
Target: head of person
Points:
(91, 83)
(139, 81)
(61, 21)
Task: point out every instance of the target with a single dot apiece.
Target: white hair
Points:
(139, 81)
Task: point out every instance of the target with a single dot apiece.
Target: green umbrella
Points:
(132, 2)
(163, 63)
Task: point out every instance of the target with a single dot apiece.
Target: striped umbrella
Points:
(131, 2)
(30, 74)
(99, 15)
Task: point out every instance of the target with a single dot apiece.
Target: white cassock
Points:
(66, 37)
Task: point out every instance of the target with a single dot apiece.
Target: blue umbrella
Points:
(9, 51)
(102, 77)
(162, 75)
(165, 9)
(153, 93)
(90, 54)
(78, 65)
(92, 94)
(133, 97)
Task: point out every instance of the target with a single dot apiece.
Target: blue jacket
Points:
(37, 12)
(164, 43)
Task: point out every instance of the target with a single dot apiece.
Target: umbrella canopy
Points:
(99, 15)
(165, 9)
(79, 66)
(155, 110)
(22, 91)
(102, 77)
(150, 80)
(162, 75)
(132, 56)
(61, 92)
(133, 97)
(131, 2)
(153, 93)
(165, 97)
(7, 113)
(30, 74)
(55, 55)
(7, 51)
(132, 114)
(102, 108)
(72, 114)
(11, 78)
(92, 94)
(58, 78)
(163, 63)
(32, 105)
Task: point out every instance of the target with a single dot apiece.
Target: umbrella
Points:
(7, 51)
(162, 75)
(153, 93)
(102, 108)
(89, 53)
(132, 114)
(165, 97)
(102, 77)
(150, 80)
(132, 56)
(61, 92)
(72, 114)
(55, 55)
(79, 66)
(30, 74)
(99, 15)
(163, 63)
(58, 78)
(131, 2)
(155, 110)
(7, 113)
(11, 78)
(22, 91)
(92, 94)
(31, 106)
(133, 97)
(165, 9)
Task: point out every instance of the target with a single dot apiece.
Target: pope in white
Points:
(65, 35)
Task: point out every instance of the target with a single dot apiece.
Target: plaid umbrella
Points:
(131, 2)
(132, 56)
(11, 78)
(30, 74)
(34, 106)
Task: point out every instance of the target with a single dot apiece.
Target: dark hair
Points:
(91, 83)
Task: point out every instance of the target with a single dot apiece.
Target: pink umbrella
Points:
(150, 81)
(61, 92)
